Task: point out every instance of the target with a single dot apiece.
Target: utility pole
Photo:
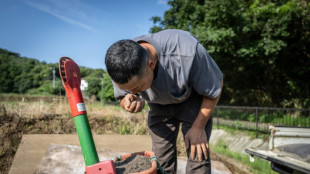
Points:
(54, 77)
(102, 89)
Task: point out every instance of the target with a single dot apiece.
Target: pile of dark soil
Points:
(133, 164)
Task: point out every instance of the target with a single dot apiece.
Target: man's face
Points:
(138, 84)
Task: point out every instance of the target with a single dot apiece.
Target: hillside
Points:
(24, 75)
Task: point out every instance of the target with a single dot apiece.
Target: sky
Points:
(83, 30)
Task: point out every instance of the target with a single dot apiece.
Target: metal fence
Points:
(259, 118)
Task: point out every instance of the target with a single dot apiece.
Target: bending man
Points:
(180, 81)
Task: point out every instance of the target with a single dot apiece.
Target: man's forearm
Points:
(206, 109)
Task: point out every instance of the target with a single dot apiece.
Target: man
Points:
(174, 73)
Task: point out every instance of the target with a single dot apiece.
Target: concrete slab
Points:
(41, 152)
(33, 147)
(69, 159)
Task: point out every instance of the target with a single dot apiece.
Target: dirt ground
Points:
(12, 129)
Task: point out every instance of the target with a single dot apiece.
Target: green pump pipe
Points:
(86, 140)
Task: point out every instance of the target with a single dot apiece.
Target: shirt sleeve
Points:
(119, 94)
(205, 75)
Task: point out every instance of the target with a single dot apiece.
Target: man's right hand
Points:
(132, 103)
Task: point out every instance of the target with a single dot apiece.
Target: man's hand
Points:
(132, 103)
(196, 139)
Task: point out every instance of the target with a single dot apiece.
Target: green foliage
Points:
(277, 117)
(94, 85)
(291, 121)
(262, 47)
(99, 84)
(234, 130)
(23, 75)
(108, 88)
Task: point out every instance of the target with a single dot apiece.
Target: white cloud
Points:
(69, 11)
(162, 2)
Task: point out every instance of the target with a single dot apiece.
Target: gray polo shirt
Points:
(183, 65)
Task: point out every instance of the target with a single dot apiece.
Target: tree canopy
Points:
(24, 75)
(262, 47)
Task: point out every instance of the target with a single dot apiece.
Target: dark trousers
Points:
(164, 122)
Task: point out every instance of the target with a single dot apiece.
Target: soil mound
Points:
(133, 164)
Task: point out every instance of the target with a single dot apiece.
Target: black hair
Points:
(125, 59)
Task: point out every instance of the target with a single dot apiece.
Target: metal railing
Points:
(259, 118)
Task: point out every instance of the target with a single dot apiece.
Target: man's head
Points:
(125, 59)
(127, 64)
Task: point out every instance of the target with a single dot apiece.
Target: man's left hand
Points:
(196, 138)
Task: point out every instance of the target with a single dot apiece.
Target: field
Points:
(51, 115)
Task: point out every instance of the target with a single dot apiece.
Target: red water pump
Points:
(71, 79)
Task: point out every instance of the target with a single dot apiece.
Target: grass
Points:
(105, 118)
(273, 116)
(37, 108)
(258, 166)
(249, 133)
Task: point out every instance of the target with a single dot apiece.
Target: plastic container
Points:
(150, 154)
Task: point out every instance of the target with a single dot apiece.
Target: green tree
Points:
(25, 75)
(94, 85)
(108, 88)
(262, 47)
(94, 80)
(7, 72)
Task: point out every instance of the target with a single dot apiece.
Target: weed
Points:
(239, 130)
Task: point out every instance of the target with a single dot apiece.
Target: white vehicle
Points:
(289, 150)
